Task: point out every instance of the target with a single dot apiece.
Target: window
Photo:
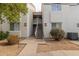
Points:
(56, 25)
(56, 7)
(14, 26)
(78, 25)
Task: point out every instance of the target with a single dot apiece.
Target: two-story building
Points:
(39, 24)
(25, 25)
(60, 15)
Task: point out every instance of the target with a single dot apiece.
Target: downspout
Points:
(49, 22)
(36, 28)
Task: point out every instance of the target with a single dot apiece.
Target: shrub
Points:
(3, 35)
(6, 34)
(57, 34)
(12, 39)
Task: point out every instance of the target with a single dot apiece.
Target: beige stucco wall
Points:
(4, 26)
(68, 16)
(26, 31)
(45, 19)
(15, 33)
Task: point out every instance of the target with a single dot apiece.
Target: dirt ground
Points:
(57, 45)
(10, 50)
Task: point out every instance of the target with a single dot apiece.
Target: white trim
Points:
(14, 31)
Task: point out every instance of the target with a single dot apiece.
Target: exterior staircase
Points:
(39, 31)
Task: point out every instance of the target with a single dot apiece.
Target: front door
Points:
(34, 28)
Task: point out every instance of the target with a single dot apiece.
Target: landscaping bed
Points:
(56, 45)
(10, 50)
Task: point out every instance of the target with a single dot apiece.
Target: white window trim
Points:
(15, 31)
(57, 23)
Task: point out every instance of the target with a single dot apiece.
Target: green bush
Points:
(3, 35)
(57, 34)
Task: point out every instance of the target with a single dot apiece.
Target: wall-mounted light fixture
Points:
(25, 24)
(45, 24)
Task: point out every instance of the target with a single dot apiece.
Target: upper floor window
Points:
(56, 7)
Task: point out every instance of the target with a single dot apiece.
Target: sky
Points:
(37, 6)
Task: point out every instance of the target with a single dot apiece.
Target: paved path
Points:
(30, 49)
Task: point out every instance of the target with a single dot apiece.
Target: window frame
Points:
(56, 7)
(78, 25)
(14, 24)
(56, 23)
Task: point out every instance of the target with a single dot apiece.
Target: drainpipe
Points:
(36, 31)
(49, 21)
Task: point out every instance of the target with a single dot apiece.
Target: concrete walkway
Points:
(31, 48)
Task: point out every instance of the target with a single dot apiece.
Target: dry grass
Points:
(57, 45)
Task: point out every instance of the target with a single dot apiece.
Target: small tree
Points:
(12, 11)
(57, 34)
